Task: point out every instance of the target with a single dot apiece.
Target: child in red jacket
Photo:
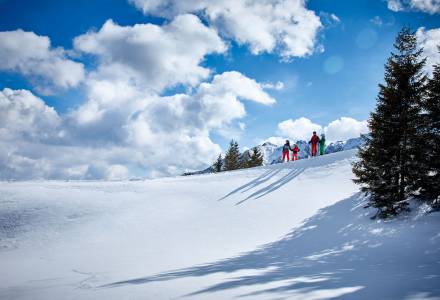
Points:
(295, 151)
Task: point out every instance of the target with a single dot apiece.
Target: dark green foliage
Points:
(430, 183)
(232, 157)
(218, 164)
(388, 169)
(256, 158)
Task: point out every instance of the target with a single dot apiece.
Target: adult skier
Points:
(314, 141)
(295, 151)
(322, 145)
(286, 150)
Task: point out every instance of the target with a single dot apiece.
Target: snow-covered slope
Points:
(288, 231)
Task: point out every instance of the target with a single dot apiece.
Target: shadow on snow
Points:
(273, 186)
(266, 176)
(338, 250)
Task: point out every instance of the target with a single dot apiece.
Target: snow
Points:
(296, 230)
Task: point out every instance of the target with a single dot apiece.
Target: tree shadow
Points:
(340, 252)
(253, 183)
(273, 186)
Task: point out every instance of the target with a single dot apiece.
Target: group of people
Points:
(314, 142)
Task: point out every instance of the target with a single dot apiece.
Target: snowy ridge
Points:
(296, 230)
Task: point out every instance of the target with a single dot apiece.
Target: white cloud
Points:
(150, 55)
(278, 86)
(125, 127)
(24, 115)
(276, 140)
(186, 120)
(429, 40)
(242, 86)
(121, 128)
(427, 6)
(335, 18)
(395, 5)
(266, 25)
(32, 56)
(345, 128)
(299, 129)
(329, 19)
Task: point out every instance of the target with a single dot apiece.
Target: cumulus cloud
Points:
(429, 40)
(265, 26)
(126, 126)
(24, 115)
(427, 6)
(299, 129)
(345, 128)
(150, 55)
(49, 68)
(302, 129)
(186, 120)
(25, 121)
(121, 128)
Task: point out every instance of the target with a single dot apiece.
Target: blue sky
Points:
(337, 76)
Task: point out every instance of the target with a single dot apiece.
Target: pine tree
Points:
(232, 157)
(430, 183)
(388, 168)
(245, 160)
(218, 164)
(256, 158)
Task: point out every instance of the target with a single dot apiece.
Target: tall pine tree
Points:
(388, 170)
(232, 157)
(430, 183)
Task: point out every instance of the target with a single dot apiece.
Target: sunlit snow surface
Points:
(288, 231)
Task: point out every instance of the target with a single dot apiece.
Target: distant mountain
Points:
(344, 145)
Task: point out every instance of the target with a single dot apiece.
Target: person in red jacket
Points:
(314, 141)
(295, 151)
(286, 150)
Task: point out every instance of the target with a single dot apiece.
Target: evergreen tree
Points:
(256, 158)
(232, 157)
(430, 183)
(388, 168)
(218, 164)
(245, 160)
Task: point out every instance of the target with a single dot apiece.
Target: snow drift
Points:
(296, 230)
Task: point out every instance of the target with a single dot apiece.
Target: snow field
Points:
(289, 231)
